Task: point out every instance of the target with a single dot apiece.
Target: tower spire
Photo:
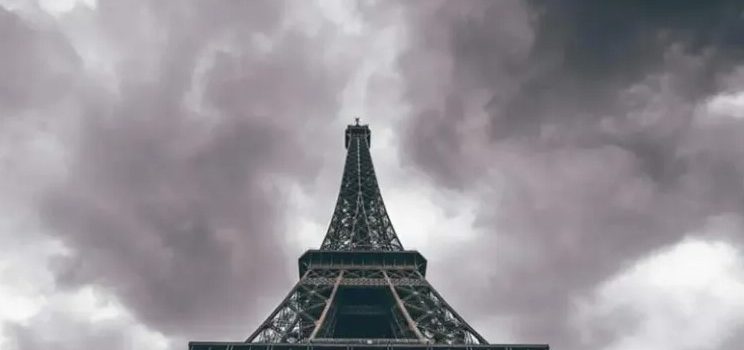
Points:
(360, 220)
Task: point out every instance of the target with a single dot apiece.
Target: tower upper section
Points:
(360, 221)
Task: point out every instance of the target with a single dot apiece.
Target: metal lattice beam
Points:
(300, 317)
(360, 221)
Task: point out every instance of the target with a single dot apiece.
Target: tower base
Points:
(363, 344)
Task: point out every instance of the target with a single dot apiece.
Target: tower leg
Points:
(327, 307)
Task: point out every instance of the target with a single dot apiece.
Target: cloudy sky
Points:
(573, 171)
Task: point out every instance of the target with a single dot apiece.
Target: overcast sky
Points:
(573, 170)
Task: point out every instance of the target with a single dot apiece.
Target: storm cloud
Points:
(173, 191)
(162, 161)
(589, 132)
(35, 67)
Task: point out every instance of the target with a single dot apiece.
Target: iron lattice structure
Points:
(361, 289)
(360, 221)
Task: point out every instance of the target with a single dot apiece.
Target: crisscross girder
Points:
(360, 221)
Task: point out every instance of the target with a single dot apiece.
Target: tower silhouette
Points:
(361, 289)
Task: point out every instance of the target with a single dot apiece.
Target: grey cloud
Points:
(172, 199)
(595, 149)
(583, 160)
(733, 340)
(37, 65)
(62, 330)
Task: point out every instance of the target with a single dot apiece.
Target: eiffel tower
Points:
(362, 289)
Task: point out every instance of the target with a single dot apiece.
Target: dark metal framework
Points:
(362, 289)
(360, 221)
